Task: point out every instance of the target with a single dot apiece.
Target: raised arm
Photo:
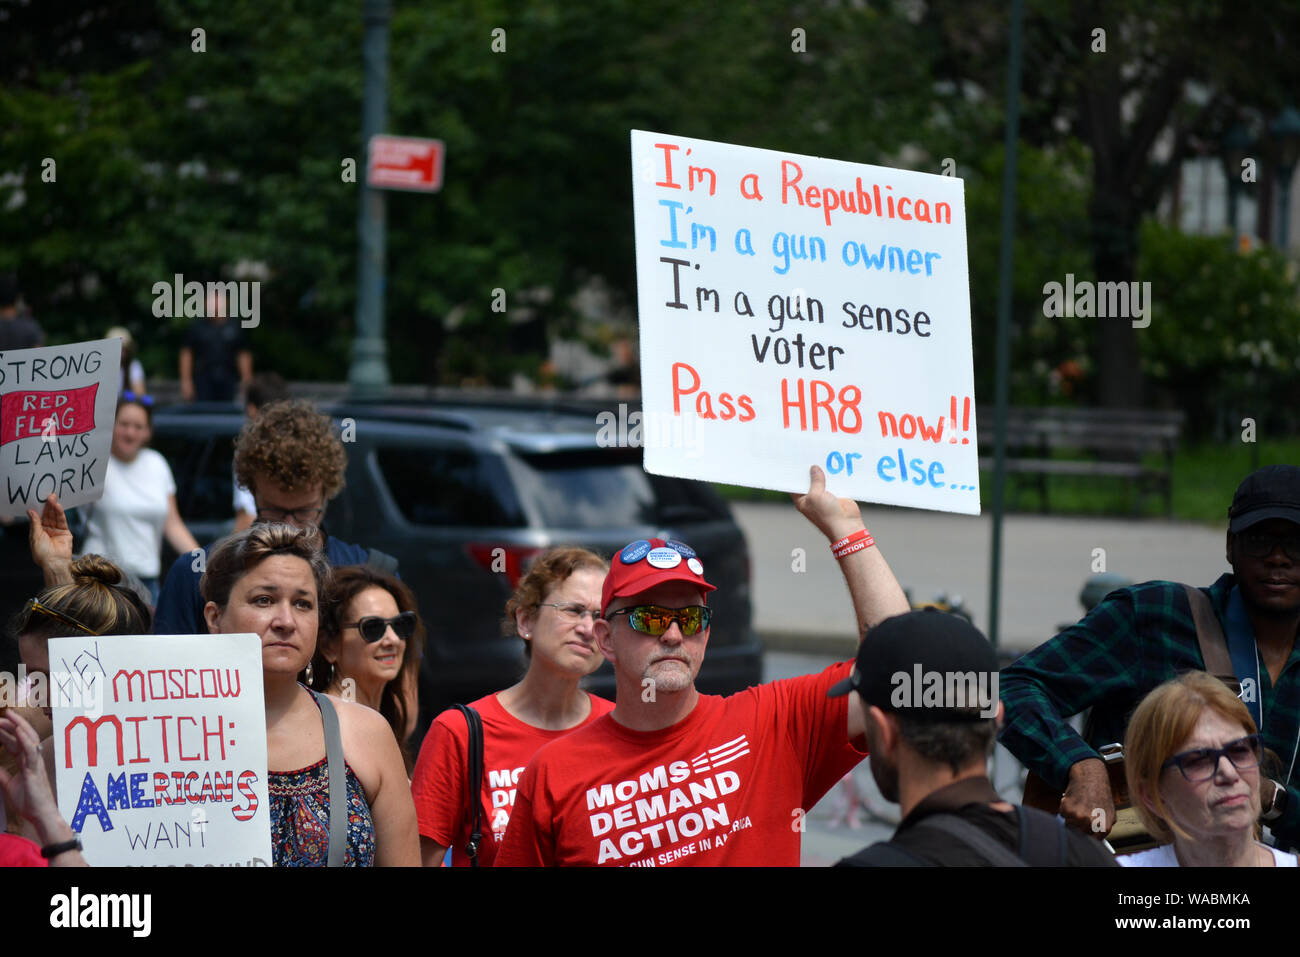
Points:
(50, 540)
(875, 591)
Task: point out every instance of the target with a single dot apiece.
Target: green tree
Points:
(1138, 83)
(174, 160)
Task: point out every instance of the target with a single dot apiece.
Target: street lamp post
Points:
(1236, 146)
(369, 373)
(1286, 134)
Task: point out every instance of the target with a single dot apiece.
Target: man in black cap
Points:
(929, 684)
(1140, 637)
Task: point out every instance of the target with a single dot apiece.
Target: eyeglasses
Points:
(572, 611)
(1202, 764)
(35, 606)
(296, 516)
(654, 620)
(144, 400)
(372, 627)
(1261, 545)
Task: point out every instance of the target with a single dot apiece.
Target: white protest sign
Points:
(799, 311)
(57, 406)
(160, 748)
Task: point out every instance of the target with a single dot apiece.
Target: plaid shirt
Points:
(1134, 640)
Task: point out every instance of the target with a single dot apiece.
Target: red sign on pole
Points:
(405, 162)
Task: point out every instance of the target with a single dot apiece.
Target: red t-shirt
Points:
(17, 851)
(438, 783)
(729, 784)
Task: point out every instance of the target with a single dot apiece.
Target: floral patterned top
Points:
(300, 818)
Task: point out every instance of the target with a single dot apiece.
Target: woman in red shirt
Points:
(553, 611)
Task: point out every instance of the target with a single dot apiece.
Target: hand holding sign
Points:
(796, 309)
(834, 517)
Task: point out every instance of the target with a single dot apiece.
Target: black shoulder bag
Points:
(474, 786)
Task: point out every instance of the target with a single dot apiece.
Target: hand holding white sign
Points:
(796, 309)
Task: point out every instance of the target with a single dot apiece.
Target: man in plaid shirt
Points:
(1139, 637)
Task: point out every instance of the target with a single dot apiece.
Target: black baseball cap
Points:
(1270, 492)
(928, 664)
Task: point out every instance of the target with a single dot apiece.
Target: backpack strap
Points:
(381, 562)
(338, 781)
(994, 852)
(1209, 633)
(1042, 838)
(475, 781)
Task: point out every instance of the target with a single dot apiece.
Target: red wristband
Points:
(850, 539)
(855, 547)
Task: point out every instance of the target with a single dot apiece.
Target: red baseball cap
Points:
(648, 562)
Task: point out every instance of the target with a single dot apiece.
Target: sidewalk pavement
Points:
(1045, 562)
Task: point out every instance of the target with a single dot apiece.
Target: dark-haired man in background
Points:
(929, 684)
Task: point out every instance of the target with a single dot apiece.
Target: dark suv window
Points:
(204, 475)
(601, 487)
(449, 487)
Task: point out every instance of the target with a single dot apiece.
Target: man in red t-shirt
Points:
(671, 776)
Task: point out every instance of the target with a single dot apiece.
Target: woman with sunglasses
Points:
(552, 611)
(369, 648)
(267, 580)
(92, 601)
(139, 504)
(1192, 759)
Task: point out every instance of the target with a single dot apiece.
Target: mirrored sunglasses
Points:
(654, 620)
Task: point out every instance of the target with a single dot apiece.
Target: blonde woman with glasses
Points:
(1192, 758)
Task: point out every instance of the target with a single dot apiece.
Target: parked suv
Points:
(462, 494)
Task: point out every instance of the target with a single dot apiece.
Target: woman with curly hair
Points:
(267, 580)
(292, 460)
(552, 611)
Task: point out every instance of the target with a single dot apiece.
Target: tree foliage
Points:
(171, 160)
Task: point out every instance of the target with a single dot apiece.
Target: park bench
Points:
(1092, 443)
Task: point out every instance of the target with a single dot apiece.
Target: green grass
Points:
(1204, 478)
